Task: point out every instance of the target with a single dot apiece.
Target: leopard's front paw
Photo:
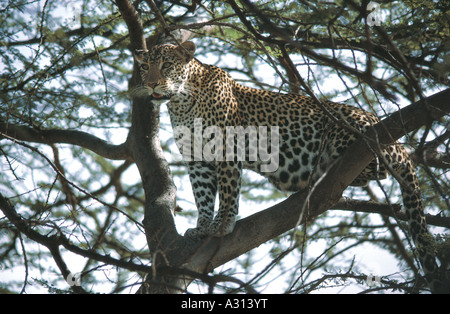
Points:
(218, 230)
(196, 233)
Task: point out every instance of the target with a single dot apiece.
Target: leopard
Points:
(309, 140)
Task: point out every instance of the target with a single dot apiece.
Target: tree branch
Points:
(393, 210)
(160, 192)
(82, 139)
(54, 241)
(283, 37)
(134, 24)
(428, 154)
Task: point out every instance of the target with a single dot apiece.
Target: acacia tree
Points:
(88, 172)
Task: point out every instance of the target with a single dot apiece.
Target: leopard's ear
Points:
(141, 55)
(186, 51)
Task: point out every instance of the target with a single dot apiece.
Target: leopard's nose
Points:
(152, 85)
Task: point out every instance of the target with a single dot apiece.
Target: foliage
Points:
(67, 65)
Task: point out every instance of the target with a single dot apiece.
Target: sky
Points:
(372, 260)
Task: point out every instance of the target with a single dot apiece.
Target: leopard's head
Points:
(163, 69)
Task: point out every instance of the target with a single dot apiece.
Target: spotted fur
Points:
(309, 139)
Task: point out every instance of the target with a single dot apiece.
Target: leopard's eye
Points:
(166, 65)
(144, 67)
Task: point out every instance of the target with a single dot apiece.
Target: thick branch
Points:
(298, 208)
(162, 237)
(134, 24)
(157, 182)
(83, 139)
(145, 147)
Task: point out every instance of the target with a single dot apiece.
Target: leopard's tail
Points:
(412, 201)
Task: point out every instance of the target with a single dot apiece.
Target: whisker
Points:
(141, 91)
